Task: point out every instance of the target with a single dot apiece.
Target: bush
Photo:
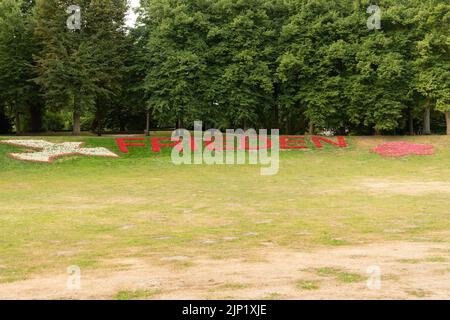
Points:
(54, 121)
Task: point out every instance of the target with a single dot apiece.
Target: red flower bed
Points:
(401, 149)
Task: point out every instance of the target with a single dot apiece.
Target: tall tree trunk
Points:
(147, 125)
(76, 123)
(411, 122)
(427, 119)
(18, 123)
(276, 118)
(311, 128)
(447, 120)
(17, 117)
(99, 117)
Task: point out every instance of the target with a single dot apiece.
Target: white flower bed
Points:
(49, 151)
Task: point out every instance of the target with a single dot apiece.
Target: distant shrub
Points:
(54, 121)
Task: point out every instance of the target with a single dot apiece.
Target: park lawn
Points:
(84, 211)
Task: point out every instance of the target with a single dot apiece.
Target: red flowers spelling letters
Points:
(286, 143)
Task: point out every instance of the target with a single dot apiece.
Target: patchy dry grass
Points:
(273, 296)
(436, 259)
(137, 295)
(308, 284)
(340, 275)
(85, 211)
(410, 261)
(420, 293)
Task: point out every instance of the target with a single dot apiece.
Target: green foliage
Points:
(16, 49)
(79, 69)
(247, 63)
(260, 63)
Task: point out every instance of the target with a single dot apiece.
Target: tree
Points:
(16, 70)
(432, 60)
(317, 64)
(176, 50)
(213, 61)
(132, 112)
(299, 65)
(382, 80)
(243, 42)
(80, 69)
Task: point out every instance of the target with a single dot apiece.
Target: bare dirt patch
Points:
(276, 275)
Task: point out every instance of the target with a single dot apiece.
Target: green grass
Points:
(350, 277)
(436, 259)
(273, 296)
(83, 211)
(418, 293)
(137, 295)
(230, 286)
(410, 261)
(308, 284)
(340, 275)
(327, 271)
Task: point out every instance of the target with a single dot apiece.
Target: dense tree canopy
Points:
(18, 95)
(302, 65)
(80, 69)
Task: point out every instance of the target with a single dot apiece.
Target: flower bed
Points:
(402, 149)
(47, 151)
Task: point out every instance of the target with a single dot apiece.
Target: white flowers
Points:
(328, 132)
(49, 151)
